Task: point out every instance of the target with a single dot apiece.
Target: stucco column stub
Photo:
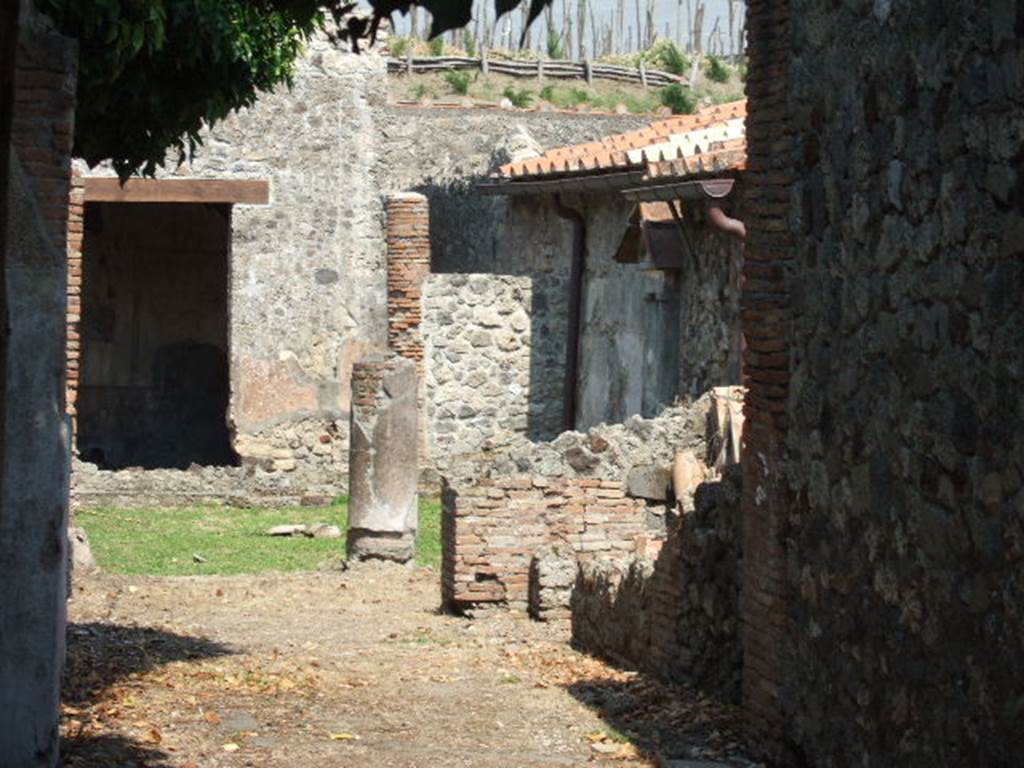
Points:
(35, 455)
(382, 513)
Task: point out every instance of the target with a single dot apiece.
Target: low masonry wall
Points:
(490, 532)
(648, 580)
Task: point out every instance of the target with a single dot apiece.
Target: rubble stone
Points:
(82, 560)
(552, 575)
(649, 481)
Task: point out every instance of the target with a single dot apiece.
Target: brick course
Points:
(408, 264)
(764, 316)
(490, 531)
(76, 213)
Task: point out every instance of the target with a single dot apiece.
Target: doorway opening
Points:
(154, 381)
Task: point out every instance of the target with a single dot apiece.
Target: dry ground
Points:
(355, 668)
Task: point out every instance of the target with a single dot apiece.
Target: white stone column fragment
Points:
(382, 512)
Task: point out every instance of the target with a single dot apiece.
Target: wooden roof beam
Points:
(233, 191)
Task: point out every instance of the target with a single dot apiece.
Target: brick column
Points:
(765, 310)
(76, 217)
(408, 240)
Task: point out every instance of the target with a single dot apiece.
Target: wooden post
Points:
(694, 71)
(408, 60)
(540, 69)
(484, 67)
(588, 71)
(643, 73)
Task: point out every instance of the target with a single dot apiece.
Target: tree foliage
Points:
(154, 73)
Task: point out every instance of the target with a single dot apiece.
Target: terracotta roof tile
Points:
(709, 141)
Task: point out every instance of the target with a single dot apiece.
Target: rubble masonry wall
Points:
(905, 453)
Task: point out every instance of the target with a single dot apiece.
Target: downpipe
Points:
(572, 344)
(723, 222)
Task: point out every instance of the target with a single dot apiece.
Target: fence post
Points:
(484, 67)
(408, 61)
(643, 73)
(540, 69)
(588, 70)
(695, 71)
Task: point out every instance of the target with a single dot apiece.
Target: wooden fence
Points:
(541, 68)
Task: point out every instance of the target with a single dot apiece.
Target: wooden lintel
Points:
(236, 191)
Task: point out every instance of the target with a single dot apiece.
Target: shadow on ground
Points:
(663, 721)
(100, 657)
(109, 751)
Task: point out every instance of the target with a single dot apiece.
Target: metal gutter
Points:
(715, 189)
(599, 182)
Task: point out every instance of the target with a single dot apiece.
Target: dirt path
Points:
(350, 669)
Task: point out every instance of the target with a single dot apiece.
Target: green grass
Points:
(605, 99)
(717, 70)
(163, 542)
(520, 97)
(679, 99)
(458, 81)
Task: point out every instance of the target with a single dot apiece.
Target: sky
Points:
(666, 12)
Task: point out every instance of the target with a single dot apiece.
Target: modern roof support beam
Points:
(232, 191)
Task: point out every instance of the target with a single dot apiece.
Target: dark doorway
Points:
(154, 332)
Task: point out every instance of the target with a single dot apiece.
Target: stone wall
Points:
(906, 364)
(307, 281)
(308, 293)
(496, 345)
(510, 325)
(443, 153)
(477, 331)
(708, 340)
(882, 316)
(37, 102)
(606, 451)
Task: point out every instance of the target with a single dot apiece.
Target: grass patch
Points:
(428, 537)
(520, 97)
(164, 542)
(679, 99)
(458, 80)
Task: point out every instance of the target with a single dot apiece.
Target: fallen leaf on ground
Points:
(343, 737)
(231, 747)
